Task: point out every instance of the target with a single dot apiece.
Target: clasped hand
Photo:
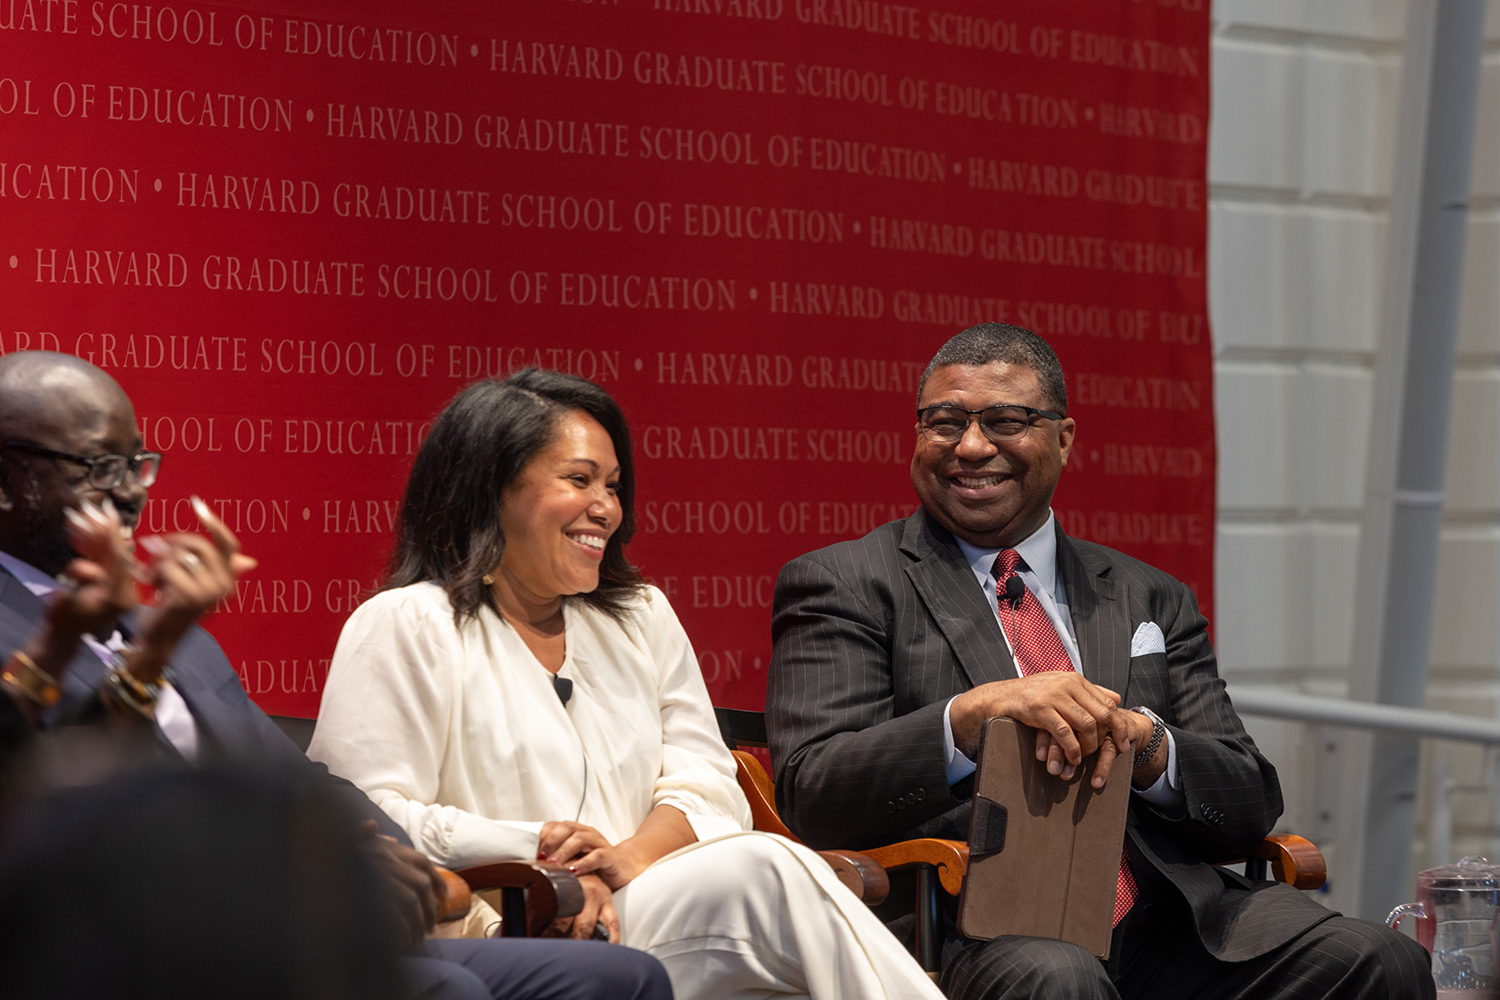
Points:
(1073, 717)
(601, 868)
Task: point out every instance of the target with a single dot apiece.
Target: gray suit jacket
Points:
(872, 638)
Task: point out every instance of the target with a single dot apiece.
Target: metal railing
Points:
(1365, 715)
(1443, 727)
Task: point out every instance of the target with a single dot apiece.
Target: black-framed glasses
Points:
(106, 472)
(948, 424)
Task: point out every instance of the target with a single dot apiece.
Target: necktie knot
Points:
(1006, 563)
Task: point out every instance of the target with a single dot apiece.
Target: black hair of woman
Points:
(449, 527)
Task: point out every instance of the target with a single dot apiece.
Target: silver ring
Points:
(190, 562)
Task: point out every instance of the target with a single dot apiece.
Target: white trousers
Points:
(751, 916)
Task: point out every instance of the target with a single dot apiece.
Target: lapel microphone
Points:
(564, 688)
(1014, 590)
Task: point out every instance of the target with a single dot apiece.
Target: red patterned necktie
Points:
(1038, 649)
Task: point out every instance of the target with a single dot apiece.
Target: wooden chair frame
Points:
(532, 894)
(535, 893)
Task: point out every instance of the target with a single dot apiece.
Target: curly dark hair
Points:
(449, 529)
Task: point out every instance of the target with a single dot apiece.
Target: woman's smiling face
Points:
(561, 511)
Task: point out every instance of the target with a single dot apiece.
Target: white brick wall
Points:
(1305, 95)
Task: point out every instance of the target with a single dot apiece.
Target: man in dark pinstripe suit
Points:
(889, 654)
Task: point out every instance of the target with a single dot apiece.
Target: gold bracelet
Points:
(117, 690)
(122, 688)
(31, 681)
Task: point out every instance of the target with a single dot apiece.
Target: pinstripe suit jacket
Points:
(872, 638)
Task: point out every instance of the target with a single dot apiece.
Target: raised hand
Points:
(103, 577)
(191, 575)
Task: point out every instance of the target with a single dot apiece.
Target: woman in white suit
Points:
(517, 691)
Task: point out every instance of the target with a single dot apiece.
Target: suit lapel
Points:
(946, 585)
(20, 609)
(1101, 621)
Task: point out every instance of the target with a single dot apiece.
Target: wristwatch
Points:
(1158, 733)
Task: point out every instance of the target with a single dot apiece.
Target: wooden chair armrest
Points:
(756, 785)
(456, 899)
(1294, 860)
(860, 874)
(534, 893)
(949, 857)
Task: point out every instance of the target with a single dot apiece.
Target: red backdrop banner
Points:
(293, 235)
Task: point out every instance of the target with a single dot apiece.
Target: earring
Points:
(487, 580)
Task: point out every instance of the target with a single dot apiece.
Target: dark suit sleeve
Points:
(854, 767)
(225, 714)
(1232, 797)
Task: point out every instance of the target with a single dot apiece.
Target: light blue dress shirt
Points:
(1038, 570)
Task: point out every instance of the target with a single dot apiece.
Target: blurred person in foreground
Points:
(69, 442)
(516, 691)
(890, 651)
(179, 883)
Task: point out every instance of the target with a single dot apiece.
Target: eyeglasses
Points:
(106, 472)
(948, 424)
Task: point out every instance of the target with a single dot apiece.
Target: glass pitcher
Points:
(1456, 912)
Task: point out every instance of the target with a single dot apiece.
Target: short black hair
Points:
(449, 530)
(988, 343)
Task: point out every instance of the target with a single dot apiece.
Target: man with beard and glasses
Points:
(69, 441)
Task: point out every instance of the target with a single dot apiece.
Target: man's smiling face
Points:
(990, 495)
(65, 406)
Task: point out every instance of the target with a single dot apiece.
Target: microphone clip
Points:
(1014, 591)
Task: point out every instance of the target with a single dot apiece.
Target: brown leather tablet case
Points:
(1044, 853)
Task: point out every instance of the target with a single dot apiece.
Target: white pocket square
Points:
(1148, 639)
